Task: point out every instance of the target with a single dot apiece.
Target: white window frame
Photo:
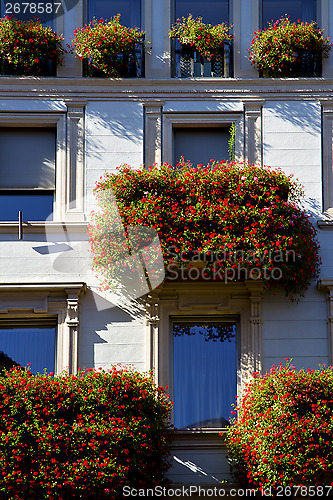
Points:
(201, 120)
(69, 187)
(222, 318)
(205, 300)
(40, 301)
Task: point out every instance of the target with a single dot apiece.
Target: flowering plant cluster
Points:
(29, 44)
(81, 436)
(227, 215)
(104, 44)
(283, 431)
(278, 48)
(207, 39)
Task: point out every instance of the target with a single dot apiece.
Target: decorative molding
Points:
(207, 300)
(75, 161)
(327, 141)
(253, 131)
(327, 286)
(152, 329)
(153, 132)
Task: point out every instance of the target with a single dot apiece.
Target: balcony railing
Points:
(308, 64)
(128, 65)
(46, 67)
(187, 62)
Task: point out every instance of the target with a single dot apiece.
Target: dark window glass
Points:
(305, 10)
(199, 145)
(28, 345)
(205, 371)
(130, 11)
(35, 205)
(27, 172)
(212, 11)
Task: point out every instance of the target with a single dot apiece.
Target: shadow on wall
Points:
(99, 315)
(117, 124)
(303, 115)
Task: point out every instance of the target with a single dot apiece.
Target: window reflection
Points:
(305, 10)
(212, 11)
(205, 370)
(130, 11)
(28, 345)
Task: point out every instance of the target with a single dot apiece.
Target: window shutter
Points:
(27, 157)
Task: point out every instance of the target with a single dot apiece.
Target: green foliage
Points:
(283, 431)
(29, 43)
(231, 142)
(81, 436)
(207, 39)
(277, 48)
(104, 44)
(229, 215)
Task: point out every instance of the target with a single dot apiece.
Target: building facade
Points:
(58, 135)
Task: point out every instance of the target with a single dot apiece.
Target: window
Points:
(186, 61)
(305, 10)
(212, 11)
(199, 145)
(130, 11)
(204, 372)
(34, 344)
(202, 136)
(27, 163)
(39, 324)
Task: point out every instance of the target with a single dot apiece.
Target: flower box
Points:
(28, 48)
(287, 49)
(200, 49)
(307, 64)
(46, 67)
(110, 49)
(126, 65)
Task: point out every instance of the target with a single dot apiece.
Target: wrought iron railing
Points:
(45, 67)
(128, 65)
(307, 64)
(187, 62)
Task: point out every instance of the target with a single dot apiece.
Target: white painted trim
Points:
(172, 120)
(46, 120)
(207, 300)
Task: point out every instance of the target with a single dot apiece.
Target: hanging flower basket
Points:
(109, 47)
(207, 39)
(287, 49)
(241, 221)
(29, 48)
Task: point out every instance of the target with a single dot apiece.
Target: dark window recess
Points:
(201, 144)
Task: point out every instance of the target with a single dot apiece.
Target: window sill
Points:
(10, 227)
(203, 430)
(326, 224)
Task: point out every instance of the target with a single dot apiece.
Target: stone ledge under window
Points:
(41, 227)
(326, 224)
